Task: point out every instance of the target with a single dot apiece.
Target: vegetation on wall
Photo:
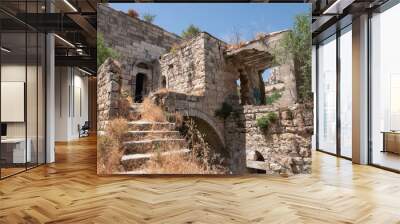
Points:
(149, 17)
(190, 32)
(297, 45)
(224, 112)
(265, 121)
(104, 52)
(133, 13)
(276, 95)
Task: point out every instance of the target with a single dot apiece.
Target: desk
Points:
(391, 141)
(13, 150)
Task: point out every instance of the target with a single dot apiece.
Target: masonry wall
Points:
(184, 67)
(108, 93)
(137, 42)
(285, 145)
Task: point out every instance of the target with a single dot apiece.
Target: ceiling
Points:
(74, 22)
(327, 13)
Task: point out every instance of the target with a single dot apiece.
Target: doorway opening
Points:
(140, 87)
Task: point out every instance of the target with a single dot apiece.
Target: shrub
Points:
(149, 17)
(174, 49)
(276, 95)
(151, 112)
(273, 117)
(104, 52)
(132, 13)
(190, 32)
(297, 45)
(224, 111)
(265, 121)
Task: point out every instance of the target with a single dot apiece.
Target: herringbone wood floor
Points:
(69, 191)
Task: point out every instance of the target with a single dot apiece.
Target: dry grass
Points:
(125, 108)
(174, 164)
(236, 46)
(152, 112)
(178, 120)
(260, 35)
(116, 129)
(162, 91)
(108, 155)
(200, 159)
(109, 147)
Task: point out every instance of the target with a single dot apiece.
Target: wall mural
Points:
(199, 103)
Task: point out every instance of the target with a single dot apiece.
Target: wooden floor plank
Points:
(69, 191)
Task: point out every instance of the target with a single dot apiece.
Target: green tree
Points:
(149, 17)
(103, 52)
(190, 32)
(297, 45)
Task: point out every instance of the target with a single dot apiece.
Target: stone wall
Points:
(139, 45)
(108, 93)
(285, 146)
(184, 67)
(283, 81)
(198, 68)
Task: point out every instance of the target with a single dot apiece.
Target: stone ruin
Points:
(199, 76)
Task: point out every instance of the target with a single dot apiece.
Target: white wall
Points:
(70, 83)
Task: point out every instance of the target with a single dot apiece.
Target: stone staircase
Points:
(146, 139)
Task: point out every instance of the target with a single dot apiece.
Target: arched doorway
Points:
(258, 157)
(140, 87)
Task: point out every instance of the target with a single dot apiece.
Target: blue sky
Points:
(223, 19)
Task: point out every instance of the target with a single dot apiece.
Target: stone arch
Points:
(143, 65)
(211, 135)
(194, 113)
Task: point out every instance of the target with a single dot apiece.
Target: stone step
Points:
(132, 162)
(153, 134)
(149, 125)
(152, 145)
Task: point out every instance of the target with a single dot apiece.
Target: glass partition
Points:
(346, 92)
(13, 94)
(22, 91)
(385, 89)
(327, 95)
